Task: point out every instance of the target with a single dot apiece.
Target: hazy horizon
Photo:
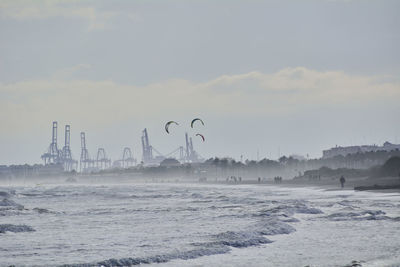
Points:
(277, 77)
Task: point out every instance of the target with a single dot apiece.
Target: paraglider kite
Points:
(202, 137)
(197, 119)
(167, 125)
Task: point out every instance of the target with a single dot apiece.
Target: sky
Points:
(268, 78)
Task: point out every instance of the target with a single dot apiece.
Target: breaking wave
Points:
(274, 228)
(358, 216)
(7, 194)
(288, 210)
(241, 239)
(7, 204)
(42, 210)
(9, 207)
(220, 243)
(15, 228)
(183, 255)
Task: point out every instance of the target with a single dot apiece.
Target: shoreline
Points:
(382, 185)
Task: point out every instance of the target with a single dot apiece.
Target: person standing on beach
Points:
(342, 181)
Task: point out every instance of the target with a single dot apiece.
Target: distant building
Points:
(343, 151)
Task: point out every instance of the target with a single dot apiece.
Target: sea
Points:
(194, 224)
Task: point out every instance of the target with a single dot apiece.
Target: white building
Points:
(339, 150)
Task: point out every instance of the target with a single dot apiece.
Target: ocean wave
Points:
(7, 203)
(187, 209)
(349, 203)
(7, 194)
(358, 216)
(248, 201)
(202, 201)
(10, 208)
(355, 264)
(15, 228)
(241, 239)
(149, 196)
(30, 194)
(290, 210)
(44, 194)
(196, 195)
(183, 255)
(42, 210)
(274, 228)
(290, 220)
(220, 243)
(383, 205)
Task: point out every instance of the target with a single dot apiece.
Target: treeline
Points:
(354, 164)
(390, 168)
(36, 170)
(363, 160)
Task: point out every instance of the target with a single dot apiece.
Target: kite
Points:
(167, 125)
(202, 137)
(197, 119)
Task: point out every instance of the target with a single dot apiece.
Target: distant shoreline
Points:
(384, 184)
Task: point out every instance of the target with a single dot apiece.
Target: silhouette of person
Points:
(342, 181)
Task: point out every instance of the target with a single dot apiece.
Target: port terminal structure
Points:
(127, 160)
(102, 162)
(150, 155)
(185, 154)
(63, 156)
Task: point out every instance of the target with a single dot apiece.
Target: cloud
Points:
(31, 10)
(288, 91)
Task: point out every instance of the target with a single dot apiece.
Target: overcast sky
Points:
(278, 77)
